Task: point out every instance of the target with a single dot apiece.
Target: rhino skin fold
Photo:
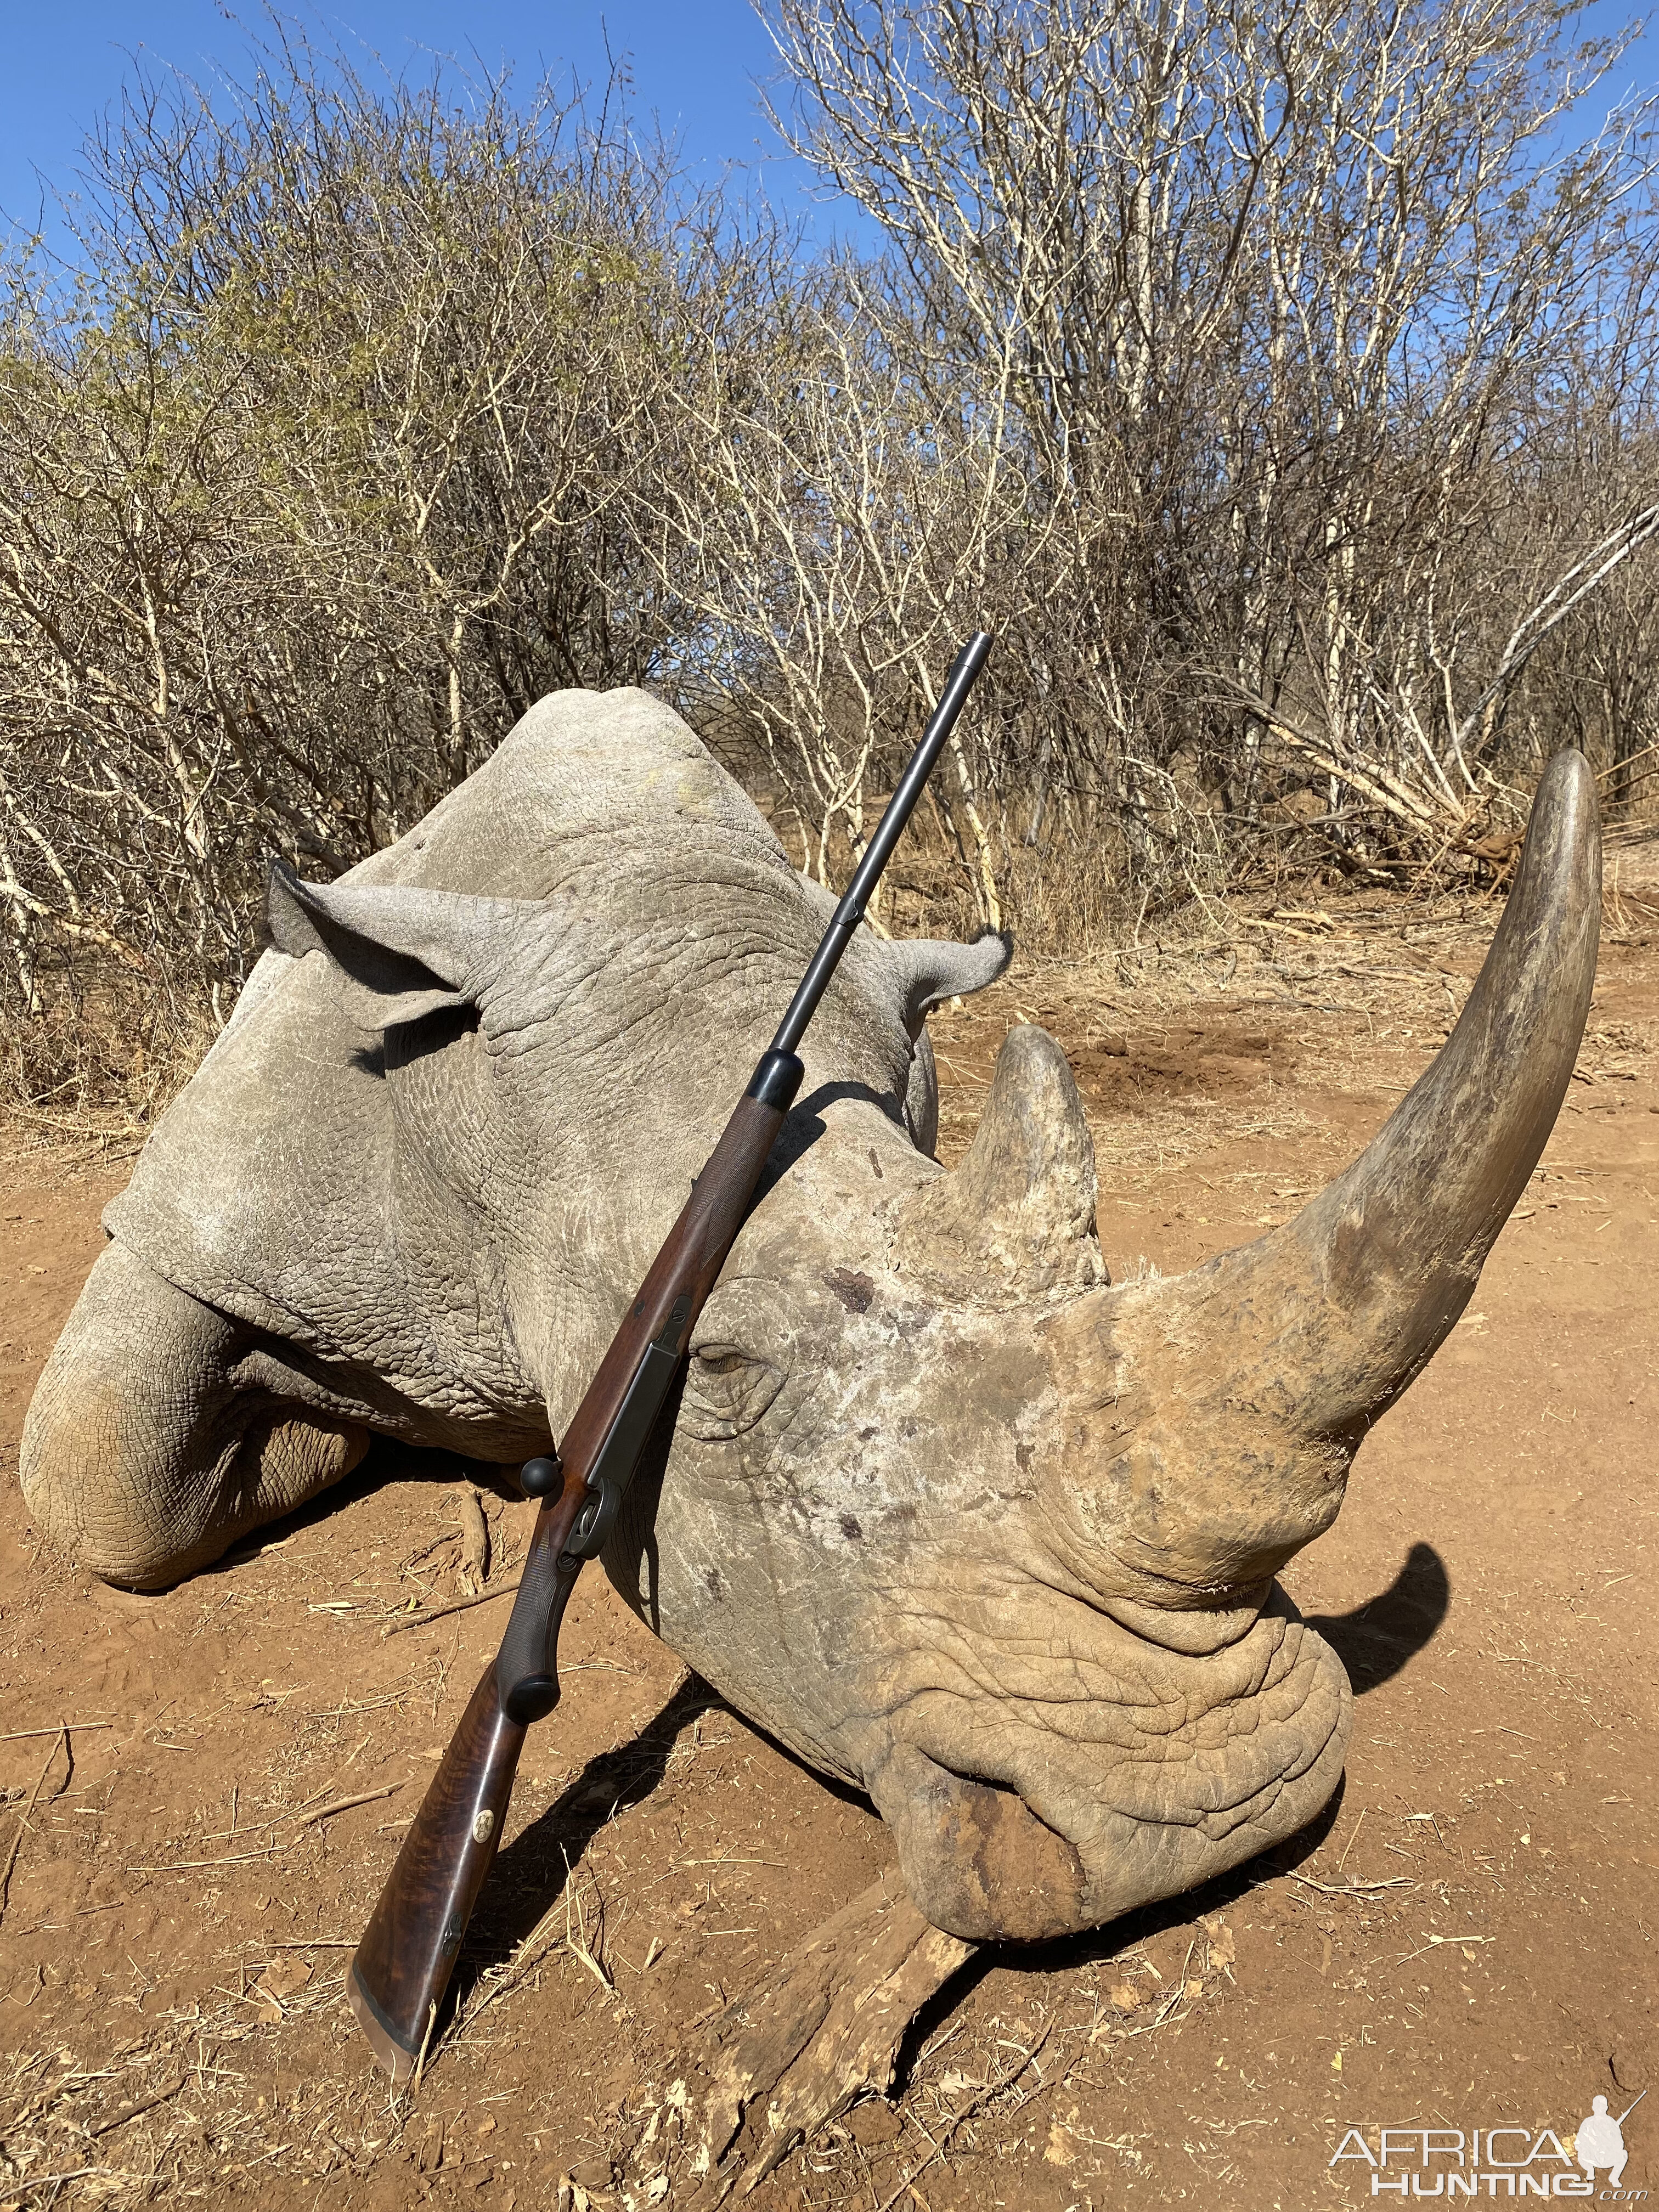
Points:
(401, 1969)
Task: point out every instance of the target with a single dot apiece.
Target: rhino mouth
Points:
(1194, 1624)
(1144, 1775)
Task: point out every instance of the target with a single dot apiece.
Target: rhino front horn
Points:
(1016, 1217)
(1392, 1249)
(1211, 1417)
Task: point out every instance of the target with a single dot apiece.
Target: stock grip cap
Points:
(531, 1698)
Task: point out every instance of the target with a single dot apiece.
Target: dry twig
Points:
(442, 1612)
(23, 1818)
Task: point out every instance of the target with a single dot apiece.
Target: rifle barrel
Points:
(891, 827)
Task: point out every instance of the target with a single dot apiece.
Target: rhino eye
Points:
(727, 1391)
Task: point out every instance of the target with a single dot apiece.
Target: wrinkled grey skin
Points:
(934, 1512)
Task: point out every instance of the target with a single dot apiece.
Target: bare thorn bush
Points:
(1278, 385)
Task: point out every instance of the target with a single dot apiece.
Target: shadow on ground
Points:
(532, 1873)
(1375, 1641)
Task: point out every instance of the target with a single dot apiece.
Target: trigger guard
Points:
(599, 1517)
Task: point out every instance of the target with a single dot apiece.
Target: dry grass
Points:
(173, 2111)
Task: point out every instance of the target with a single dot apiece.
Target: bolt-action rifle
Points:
(402, 1965)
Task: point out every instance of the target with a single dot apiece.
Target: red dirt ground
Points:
(1466, 1940)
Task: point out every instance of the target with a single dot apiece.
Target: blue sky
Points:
(694, 65)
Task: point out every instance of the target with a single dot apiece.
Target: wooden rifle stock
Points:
(402, 1967)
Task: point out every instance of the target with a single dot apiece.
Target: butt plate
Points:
(378, 2031)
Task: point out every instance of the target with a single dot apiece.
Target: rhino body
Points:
(942, 1509)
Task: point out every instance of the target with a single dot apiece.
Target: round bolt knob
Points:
(538, 1478)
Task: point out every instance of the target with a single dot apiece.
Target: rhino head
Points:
(942, 1508)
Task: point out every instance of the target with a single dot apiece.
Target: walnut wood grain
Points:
(402, 1967)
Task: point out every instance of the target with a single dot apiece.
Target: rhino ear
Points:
(933, 969)
(399, 952)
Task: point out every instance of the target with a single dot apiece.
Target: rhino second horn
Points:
(1016, 1217)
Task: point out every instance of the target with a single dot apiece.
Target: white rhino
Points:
(942, 1509)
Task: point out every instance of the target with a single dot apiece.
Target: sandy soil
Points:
(1464, 1940)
